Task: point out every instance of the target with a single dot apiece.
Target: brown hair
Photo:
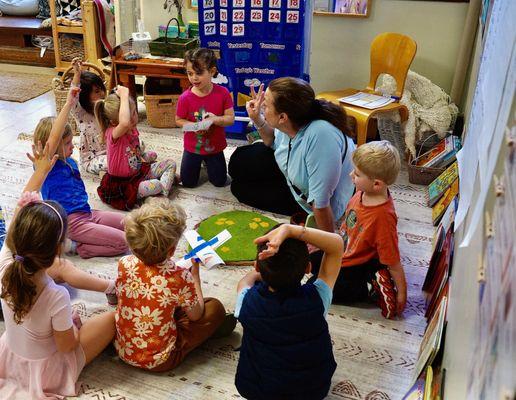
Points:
(44, 127)
(154, 229)
(378, 160)
(34, 238)
(285, 269)
(296, 98)
(106, 112)
(89, 80)
(201, 59)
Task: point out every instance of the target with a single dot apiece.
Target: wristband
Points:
(261, 126)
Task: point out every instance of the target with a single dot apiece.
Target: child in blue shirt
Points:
(286, 350)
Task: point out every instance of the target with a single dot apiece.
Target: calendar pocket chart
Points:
(257, 40)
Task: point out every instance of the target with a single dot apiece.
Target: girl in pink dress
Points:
(131, 172)
(42, 351)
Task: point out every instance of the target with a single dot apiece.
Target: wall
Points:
(340, 45)
(154, 15)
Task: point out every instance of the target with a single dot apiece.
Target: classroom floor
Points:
(375, 356)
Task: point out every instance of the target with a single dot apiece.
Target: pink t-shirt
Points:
(124, 154)
(192, 107)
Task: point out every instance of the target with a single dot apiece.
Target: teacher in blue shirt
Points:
(309, 147)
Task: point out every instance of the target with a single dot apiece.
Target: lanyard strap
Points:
(296, 189)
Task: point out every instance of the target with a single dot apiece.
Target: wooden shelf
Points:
(70, 29)
(89, 31)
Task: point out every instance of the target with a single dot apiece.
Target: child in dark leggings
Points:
(212, 104)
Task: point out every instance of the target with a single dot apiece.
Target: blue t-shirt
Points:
(322, 288)
(65, 185)
(318, 165)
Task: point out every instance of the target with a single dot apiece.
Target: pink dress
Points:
(30, 365)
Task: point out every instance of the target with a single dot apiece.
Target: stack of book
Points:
(441, 155)
(442, 191)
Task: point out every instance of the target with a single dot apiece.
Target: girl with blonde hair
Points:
(132, 174)
(94, 233)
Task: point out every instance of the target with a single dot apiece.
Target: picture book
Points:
(431, 342)
(367, 100)
(441, 154)
(440, 207)
(428, 383)
(439, 185)
(417, 391)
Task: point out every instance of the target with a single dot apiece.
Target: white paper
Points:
(207, 255)
(366, 100)
(198, 126)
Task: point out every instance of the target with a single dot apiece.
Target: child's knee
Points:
(219, 181)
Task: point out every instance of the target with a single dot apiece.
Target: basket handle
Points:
(166, 31)
(419, 155)
(69, 70)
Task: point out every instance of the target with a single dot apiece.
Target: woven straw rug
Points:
(20, 87)
(375, 356)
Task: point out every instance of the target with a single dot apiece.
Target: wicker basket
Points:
(160, 105)
(71, 46)
(61, 87)
(422, 175)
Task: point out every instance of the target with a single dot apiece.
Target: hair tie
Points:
(316, 107)
(19, 258)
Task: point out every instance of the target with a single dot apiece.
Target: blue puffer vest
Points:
(286, 348)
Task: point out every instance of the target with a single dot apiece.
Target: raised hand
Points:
(121, 91)
(73, 95)
(254, 106)
(274, 239)
(41, 159)
(77, 65)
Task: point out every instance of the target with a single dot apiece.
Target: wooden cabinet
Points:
(88, 32)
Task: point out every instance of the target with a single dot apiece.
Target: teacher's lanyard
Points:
(296, 189)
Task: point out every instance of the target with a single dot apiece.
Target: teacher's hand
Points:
(254, 106)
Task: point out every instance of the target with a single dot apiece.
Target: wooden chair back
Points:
(391, 53)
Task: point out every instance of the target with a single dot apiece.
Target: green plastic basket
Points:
(172, 47)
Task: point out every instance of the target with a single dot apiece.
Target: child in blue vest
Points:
(286, 348)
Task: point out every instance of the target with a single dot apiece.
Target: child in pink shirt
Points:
(132, 174)
(207, 102)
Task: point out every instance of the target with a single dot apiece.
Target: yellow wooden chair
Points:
(391, 53)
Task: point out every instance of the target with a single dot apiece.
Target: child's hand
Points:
(121, 91)
(41, 159)
(73, 95)
(77, 65)
(211, 117)
(254, 106)
(273, 239)
(401, 301)
(194, 269)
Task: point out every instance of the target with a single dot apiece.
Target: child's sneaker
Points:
(227, 326)
(385, 292)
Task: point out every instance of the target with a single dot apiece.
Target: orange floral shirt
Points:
(147, 298)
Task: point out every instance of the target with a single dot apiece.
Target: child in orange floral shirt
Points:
(161, 314)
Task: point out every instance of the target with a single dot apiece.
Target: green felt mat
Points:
(244, 226)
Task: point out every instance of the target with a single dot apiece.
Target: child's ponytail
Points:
(34, 238)
(106, 113)
(18, 289)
